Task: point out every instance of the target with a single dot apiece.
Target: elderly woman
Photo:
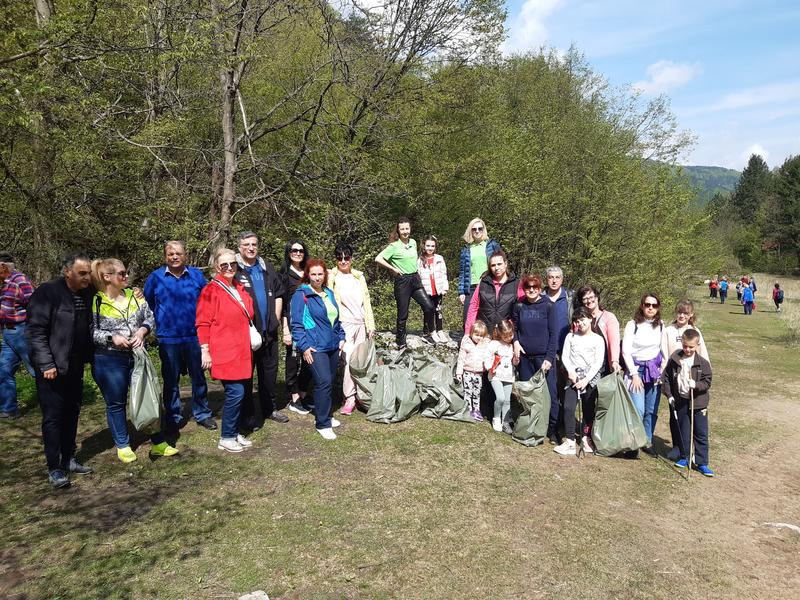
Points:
(355, 313)
(224, 315)
(474, 260)
(119, 324)
(494, 298)
(319, 335)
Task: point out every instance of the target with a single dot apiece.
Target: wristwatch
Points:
(110, 340)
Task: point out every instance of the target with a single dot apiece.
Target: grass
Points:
(790, 309)
(421, 509)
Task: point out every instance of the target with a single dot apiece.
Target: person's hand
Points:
(581, 384)
(287, 338)
(138, 293)
(615, 367)
(515, 360)
(50, 373)
(517, 351)
(205, 358)
(308, 355)
(462, 298)
(636, 384)
(572, 376)
(546, 365)
(120, 342)
(341, 347)
(692, 383)
(371, 334)
(137, 341)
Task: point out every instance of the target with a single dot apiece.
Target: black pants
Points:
(298, 374)
(438, 317)
(60, 400)
(405, 288)
(588, 404)
(557, 397)
(265, 363)
(700, 431)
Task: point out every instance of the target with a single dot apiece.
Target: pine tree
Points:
(753, 189)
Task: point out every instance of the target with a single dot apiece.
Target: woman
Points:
(400, 257)
(224, 314)
(320, 337)
(355, 313)
(641, 349)
(119, 323)
(494, 298)
(433, 273)
(474, 261)
(536, 333)
(297, 373)
(603, 320)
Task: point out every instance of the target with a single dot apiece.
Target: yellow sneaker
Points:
(126, 455)
(163, 449)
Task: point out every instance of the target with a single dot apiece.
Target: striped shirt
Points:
(14, 296)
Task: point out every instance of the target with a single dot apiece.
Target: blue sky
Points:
(731, 68)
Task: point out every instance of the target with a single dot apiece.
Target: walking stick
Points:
(691, 429)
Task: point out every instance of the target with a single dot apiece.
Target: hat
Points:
(6, 257)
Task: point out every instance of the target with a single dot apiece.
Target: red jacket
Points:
(222, 325)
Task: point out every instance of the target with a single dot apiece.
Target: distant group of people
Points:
(746, 289)
(234, 324)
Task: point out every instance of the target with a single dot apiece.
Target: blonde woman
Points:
(119, 323)
(474, 261)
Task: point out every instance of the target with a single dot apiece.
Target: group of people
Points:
(234, 325)
(746, 289)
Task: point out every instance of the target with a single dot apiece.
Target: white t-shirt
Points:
(351, 305)
(643, 345)
(585, 352)
(505, 370)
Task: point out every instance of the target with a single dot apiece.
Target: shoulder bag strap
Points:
(239, 302)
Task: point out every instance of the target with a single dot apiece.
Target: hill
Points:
(710, 180)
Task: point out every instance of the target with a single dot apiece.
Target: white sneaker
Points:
(497, 424)
(674, 454)
(335, 422)
(327, 433)
(587, 445)
(243, 441)
(229, 445)
(567, 448)
(444, 337)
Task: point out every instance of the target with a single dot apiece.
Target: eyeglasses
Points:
(229, 266)
(650, 304)
(343, 258)
(297, 251)
(122, 274)
(589, 298)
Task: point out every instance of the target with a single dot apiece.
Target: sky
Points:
(730, 68)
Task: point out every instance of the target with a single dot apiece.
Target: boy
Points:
(689, 373)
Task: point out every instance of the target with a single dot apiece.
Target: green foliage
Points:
(710, 181)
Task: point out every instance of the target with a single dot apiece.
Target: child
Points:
(583, 356)
(689, 375)
(469, 367)
(499, 363)
(433, 274)
(777, 296)
(747, 297)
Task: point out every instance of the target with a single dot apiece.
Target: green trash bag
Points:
(440, 394)
(381, 406)
(405, 393)
(144, 401)
(617, 426)
(363, 370)
(533, 395)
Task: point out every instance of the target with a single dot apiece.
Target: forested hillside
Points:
(707, 181)
(125, 124)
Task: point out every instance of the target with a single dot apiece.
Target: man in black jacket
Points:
(58, 321)
(265, 286)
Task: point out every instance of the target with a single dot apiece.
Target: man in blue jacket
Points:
(172, 292)
(562, 305)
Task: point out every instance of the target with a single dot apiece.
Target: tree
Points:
(752, 190)
(787, 190)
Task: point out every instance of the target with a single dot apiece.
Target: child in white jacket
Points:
(433, 274)
(499, 362)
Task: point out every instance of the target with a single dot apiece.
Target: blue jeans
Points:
(112, 372)
(748, 308)
(323, 372)
(14, 352)
(175, 358)
(646, 403)
(232, 409)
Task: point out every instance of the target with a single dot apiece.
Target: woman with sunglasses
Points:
(641, 349)
(433, 273)
(355, 313)
(603, 320)
(119, 324)
(474, 260)
(535, 333)
(297, 373)
(224, 314)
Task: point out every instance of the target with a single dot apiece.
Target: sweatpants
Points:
(407, 287)
(588, 404)
(502, 398)
(700, 431)
(473, 382)
(354, 333)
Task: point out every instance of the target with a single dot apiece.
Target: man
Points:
(261, 281)
(562, 303)
(15, 294)
(172, 292)
(59, 318)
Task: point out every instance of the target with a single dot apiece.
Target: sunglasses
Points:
(297, 251)
(477, 229)
(122, 274)
(589, 298)
(229, 266)
(532, 287)
(343, 258)
(650, 304)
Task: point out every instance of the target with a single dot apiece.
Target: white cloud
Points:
(527, 31)
(777, 93)
(666, 75)
(755, 149)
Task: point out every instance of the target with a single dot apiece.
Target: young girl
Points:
(469, 367)
(433, 273)
(583, 356)
(499, 362)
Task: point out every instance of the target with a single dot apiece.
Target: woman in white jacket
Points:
(433, 273)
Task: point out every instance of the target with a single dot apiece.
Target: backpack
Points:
(779, 297)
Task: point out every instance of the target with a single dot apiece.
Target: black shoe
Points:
(278, 417)
(208, 423)
(650, 451)
(631, 454)
(554, 440)
(78, 468)
(299, 408)
(9, 415)
(58, 479)
(508, 428)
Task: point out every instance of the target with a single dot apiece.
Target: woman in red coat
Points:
(224, 313)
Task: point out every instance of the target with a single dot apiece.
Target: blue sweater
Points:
(173, 300)
(311, 327)
(535, 328)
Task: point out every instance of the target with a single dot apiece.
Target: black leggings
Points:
(588, 403)
(438, 319)
(407, 287)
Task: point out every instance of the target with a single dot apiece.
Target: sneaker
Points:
(477, 415)
(587, 445)
(674, 454)
(208, 423)
(650, 451)
(444, 337)
(507, 428)
(497, 425)
(244, 442)
(231, 445)
(567, 448)
(78, 468)
(278, 417)
(682, 463)
(327, 433)
(349, 406)
(126, 455)
(297, 406)
(58, 479)
(553, 438)
(163, 449)
(335, 422)
(704, 470)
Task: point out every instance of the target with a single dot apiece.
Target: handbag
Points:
(255, 336)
